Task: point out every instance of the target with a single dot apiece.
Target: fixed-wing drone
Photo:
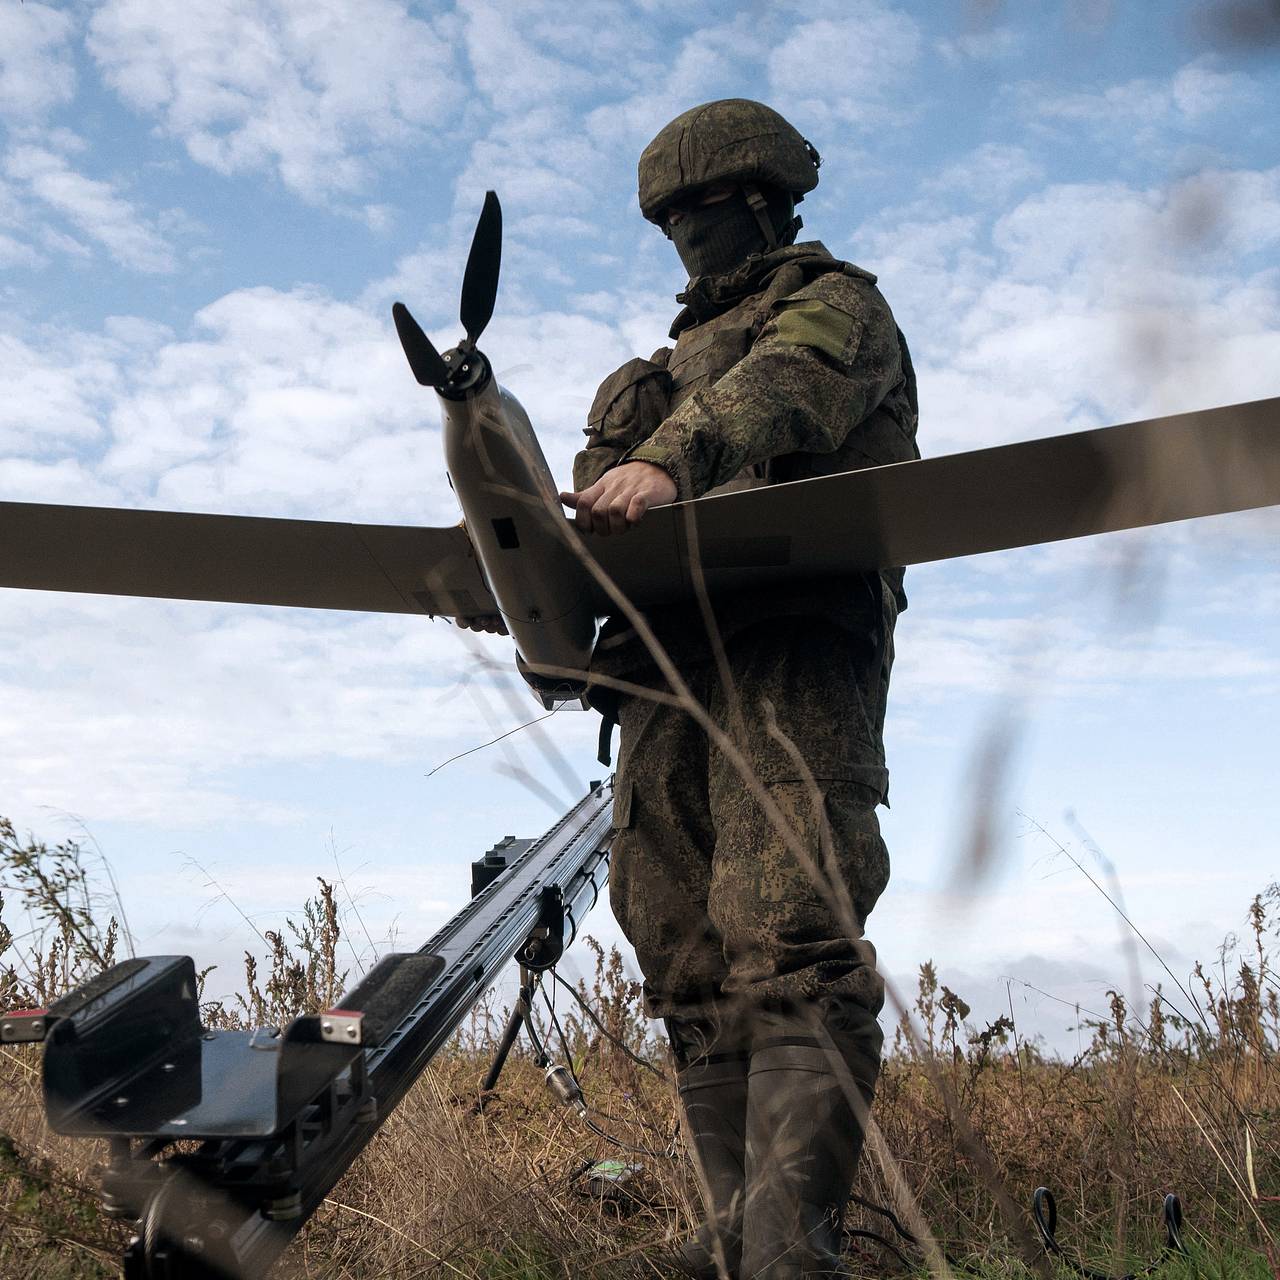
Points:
(515, 554)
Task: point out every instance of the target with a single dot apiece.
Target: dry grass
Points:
(1185, 1097)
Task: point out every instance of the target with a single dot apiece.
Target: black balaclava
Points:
(716, 238)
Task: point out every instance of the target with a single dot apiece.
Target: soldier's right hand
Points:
(620, 498)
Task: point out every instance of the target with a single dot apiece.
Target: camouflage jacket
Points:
(790, 368)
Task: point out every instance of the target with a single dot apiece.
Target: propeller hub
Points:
(469, 373)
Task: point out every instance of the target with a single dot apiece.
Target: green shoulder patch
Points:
(809, 322)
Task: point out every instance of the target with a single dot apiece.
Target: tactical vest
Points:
(713, 332)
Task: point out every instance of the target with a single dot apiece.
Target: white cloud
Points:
(53, 397)
(986, 44)
(313, 90)
(219, 689)
(280, 404)
(1085, 303)
(850, 68)
(285, 403)
(1060, 657)
(1195, 92)
(94, 207)
(991, 173)
(511, 70)
(13, 253)
(36, 72)
(540, 161)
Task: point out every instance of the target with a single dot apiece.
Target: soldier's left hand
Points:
(491, 623)
(620, 498)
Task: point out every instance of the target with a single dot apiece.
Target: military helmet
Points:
(734, 141)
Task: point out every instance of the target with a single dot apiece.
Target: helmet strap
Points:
(760, 207)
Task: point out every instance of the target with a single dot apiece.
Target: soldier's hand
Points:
(489, 622)
(620, 498)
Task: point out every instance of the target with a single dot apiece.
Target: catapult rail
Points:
(270, 1120)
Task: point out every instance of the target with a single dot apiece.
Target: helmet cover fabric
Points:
(734, 141)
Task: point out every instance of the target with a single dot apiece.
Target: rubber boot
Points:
(804, 1137)
(713, 1098)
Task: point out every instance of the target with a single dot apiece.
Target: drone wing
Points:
(312, 564)
(1121, 477)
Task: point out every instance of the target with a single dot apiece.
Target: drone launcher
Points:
(223, 1142)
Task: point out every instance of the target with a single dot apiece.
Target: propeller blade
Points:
(174, 555)
(1014, 495)
(480, 280)
(425, 361)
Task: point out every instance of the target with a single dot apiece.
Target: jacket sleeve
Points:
(826, 357)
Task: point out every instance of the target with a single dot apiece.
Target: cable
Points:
(885, 1212)
(470, 751)
(571, 1093)
(1044, 1212)
(604, 1031)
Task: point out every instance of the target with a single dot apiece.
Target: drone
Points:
(516, 555)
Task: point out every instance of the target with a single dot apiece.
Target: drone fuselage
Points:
(530, 560)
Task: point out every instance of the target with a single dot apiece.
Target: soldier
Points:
(787, 364)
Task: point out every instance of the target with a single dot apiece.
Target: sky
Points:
(205, 214)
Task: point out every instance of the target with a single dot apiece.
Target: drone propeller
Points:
(480, 280)
(479, 291)
(425, 361)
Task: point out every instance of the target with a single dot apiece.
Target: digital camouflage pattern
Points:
(798, 370)
(780, 381)
(714, 902)
(734, 141)
(788, 368)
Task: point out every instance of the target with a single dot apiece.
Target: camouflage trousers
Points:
(722, 900)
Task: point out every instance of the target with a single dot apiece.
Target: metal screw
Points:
(121, 1101)
(326, 1027)
(210, 1035)
(193, 1244)
(351, 1033)
(168, 1066)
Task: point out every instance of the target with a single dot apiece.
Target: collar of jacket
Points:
(710, 296)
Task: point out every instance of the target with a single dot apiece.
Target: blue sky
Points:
(1073, 208)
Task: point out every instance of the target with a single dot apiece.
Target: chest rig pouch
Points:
(628, 407)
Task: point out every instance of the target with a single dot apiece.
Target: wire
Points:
(1044, 1212)
(470, 751)
(888, 1213)
(608, 1035)
(612, 1139)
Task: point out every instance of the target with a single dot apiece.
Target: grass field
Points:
(1182, 1096)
